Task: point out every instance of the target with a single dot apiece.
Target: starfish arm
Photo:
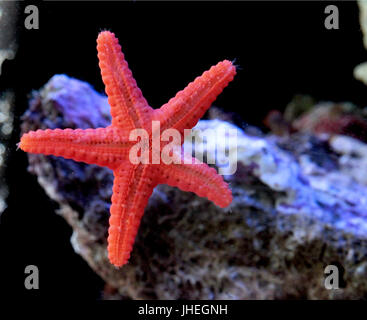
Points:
(189, 105)
(102, 146)
(129, 109)
(195, 176)
(133, 185)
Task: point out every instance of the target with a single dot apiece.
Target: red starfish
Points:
(110, 147)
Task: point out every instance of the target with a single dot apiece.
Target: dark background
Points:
(282, 49)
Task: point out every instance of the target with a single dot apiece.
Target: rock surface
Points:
(300, 204)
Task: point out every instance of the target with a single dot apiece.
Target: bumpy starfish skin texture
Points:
(134, 183)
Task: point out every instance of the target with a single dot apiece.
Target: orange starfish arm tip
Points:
(128, 203)
(129, 109)
(189, 105)
(103, 146)
(200, 179)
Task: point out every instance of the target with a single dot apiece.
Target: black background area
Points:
(282, 49)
